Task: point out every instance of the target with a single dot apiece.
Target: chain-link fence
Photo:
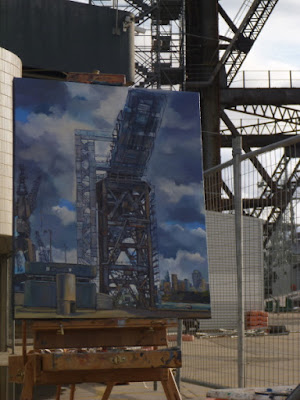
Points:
(253, 233)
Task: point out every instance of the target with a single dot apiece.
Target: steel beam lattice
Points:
(245, 36)
(87, 252)
(126, 217)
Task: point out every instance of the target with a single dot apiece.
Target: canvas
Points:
(109, 214)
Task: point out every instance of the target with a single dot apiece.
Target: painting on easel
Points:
(109, 214)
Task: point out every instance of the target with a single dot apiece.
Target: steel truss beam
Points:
(270, 128)
(245, 35)
(127, 267)
(284, 196)
(255, 140)
(277, 113)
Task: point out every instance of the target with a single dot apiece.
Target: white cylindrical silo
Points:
(10, 67)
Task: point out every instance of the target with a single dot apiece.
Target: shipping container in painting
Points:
(109, 208)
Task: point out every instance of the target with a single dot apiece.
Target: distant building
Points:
(186, 285)
(167, 287)
(174, 282)
(181, 286)
(197, 279)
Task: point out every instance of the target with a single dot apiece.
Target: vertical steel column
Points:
(238, 207)
(149, 249)
(202, 56)
(103, 238)
(87, 251)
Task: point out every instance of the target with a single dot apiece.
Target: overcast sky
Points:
(277, 46)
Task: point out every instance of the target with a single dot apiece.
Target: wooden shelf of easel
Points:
(61, 355)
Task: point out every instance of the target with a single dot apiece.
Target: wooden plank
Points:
(24, 341)
(170, 388)
(105, 323)
(58, 392)
(115, 79)
(108, 390)
(121, 375)
(16, 369)
(166, 358)
(72, 392)
(27, 390)
(96, 338)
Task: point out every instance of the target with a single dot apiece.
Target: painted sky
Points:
(175, 171)
(46, 116)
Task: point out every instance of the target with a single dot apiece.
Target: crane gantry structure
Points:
(128, 254)
(184, 50)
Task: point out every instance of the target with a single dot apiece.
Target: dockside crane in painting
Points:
(128, 255)
(44, 254)
(25, 205)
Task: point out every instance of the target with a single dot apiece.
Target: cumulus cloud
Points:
(173, 193)
(183, 264)
(173, 119)
(174, 237)
(64, 214)
(109, 108)
(61, 255)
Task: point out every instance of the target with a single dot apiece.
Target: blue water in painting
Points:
(184, 306)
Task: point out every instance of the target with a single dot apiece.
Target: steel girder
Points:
(245, 35)
(275, 127)
(288, 115)
(127, 261)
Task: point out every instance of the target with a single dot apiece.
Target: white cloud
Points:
(112, 105)
(64, 214)
(69, 255)
(183, 265)
(174, 193)
(172, 119)
(198, 232)
(277, 46)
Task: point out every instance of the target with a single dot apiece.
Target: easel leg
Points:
(72, 391)
(58, 391)
(27, 391)
(170, 388)
(109, 388)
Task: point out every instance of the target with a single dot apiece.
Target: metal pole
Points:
(13, 337)
(179, 345)
(237, 151)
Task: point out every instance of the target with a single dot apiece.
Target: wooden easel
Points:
(60, 355)
(53, 362)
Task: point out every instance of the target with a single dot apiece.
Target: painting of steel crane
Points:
(115, 214)
(129, 267)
